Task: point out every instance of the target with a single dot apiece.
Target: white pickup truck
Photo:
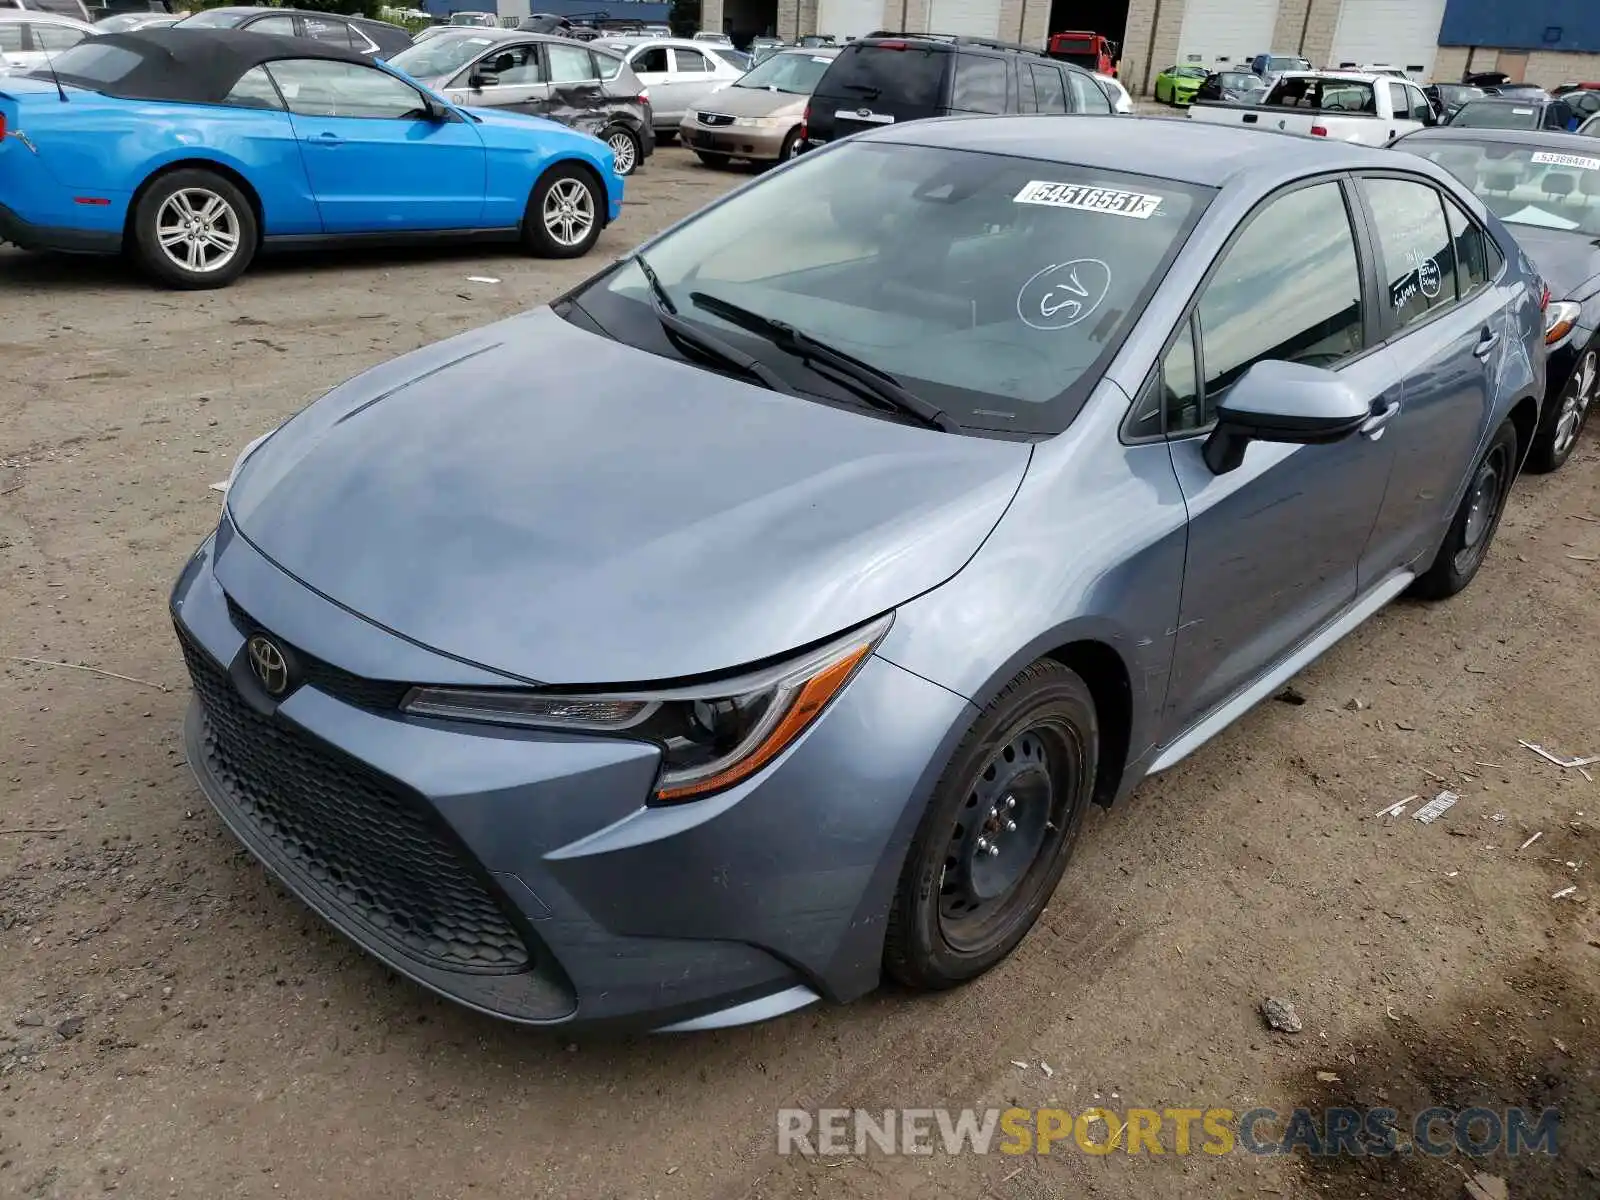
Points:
(1342, 105)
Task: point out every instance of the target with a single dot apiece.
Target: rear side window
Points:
(1049, 95)
(691, 60)
(254, 90)
(322, 29)
(1414, 245)
(1289, 288)
(913, 76)
(56, 37)
(980, 85)
(1468, 249)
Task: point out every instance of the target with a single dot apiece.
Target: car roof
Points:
(201, 65)
(37, 16)
(1160, 147)
(646, 39)
(1508, 101)
(1536, 139)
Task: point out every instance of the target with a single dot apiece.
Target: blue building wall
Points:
(1570, 25)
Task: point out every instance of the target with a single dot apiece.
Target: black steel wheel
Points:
(1473, 528)
(998, 833)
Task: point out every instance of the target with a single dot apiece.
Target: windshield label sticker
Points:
(1429, 278)
(1580, 161)
(1088, 199)
(1063, 294)
(821, 58)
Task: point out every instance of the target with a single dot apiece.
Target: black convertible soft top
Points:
(197, 65)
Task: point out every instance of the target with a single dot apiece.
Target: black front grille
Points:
(376, 694)
(717, 119)
(350, 836)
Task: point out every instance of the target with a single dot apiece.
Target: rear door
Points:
(982, 84)
(879, 83)
(577, 97)
(1444, 329)
(375, 162)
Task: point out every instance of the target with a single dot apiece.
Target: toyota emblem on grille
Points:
(269, 665)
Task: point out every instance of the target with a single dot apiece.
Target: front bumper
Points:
(519, 872)
(756, 144)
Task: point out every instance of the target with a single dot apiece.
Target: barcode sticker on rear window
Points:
(1088, 199)
(1582, 162)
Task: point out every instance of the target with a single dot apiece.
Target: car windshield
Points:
(1288, 64)
(1492, 114)
(1191, 72)
(216, 18)
(441, 55)
(995, 288)
(1523, 185)
(1324, 95)
(795, 71)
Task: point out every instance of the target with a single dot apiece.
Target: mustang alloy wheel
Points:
(194, 229)
(565, 213)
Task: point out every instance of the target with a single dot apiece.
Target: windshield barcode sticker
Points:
(1567, 160)
(1088, 199)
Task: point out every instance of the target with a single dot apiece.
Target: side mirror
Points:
(479, 80)
(1283, 402)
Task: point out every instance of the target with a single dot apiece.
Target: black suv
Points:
(887, 79)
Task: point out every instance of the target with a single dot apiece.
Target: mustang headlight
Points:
(711, 735)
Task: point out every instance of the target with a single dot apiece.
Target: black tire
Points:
(791, 146)
(577, 192)
(1473, 528)
(712, 160)
(625, 145)
(959, 909)
(1561, 424)
(200, 208)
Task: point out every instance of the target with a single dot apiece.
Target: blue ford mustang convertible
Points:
(193, 149)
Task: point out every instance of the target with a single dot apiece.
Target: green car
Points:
(1177, 85)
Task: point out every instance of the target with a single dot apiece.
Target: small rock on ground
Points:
(1280, 1015)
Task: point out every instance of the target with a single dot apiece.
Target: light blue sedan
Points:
(193, 149)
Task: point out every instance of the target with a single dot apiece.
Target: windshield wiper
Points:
(708, 344)
(876, 384)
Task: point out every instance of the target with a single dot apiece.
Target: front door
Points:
(1273, 545)
(1445, 328)
(375, 160)
(510, 77)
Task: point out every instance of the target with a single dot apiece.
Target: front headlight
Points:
(1560, 318)
(711, 735)
(757, 122)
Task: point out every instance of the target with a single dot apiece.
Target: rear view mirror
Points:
(1283, 402)
(479, 80)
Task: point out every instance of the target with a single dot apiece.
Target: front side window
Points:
(1180, 386)
(323, 88)
(1289, 288)
(440, 57)
(652, 58)
(1049, 95)
(980, 85)
(517, 66)
(1417, 258)
(569, 64)
(254, 90)
(1468, 248)
(996, 287)
(1086, 94)
(691, 60)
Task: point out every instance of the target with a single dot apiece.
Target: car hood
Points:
(754, 102)
(562, 508)
(1568, 261)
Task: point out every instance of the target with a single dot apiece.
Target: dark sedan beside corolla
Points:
(1550, 196)
(762, 616)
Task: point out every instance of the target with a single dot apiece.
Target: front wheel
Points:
(563, 217)
(1475, 522)
(998, 832)
(625, 150)
(194, 229)
(1562, 422)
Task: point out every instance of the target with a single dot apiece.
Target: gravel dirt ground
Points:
(172, 1024)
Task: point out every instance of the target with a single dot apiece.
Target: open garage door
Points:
(849, 18)
(970, 18)
(1217, 32)
(1398, 33)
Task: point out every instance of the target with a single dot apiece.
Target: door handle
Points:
(328, 139)
(1372, 427)
(1487, 341)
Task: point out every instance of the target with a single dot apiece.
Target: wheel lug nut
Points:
(983, 843)
(1011, 826)
(1011, 801)
(994, 851)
